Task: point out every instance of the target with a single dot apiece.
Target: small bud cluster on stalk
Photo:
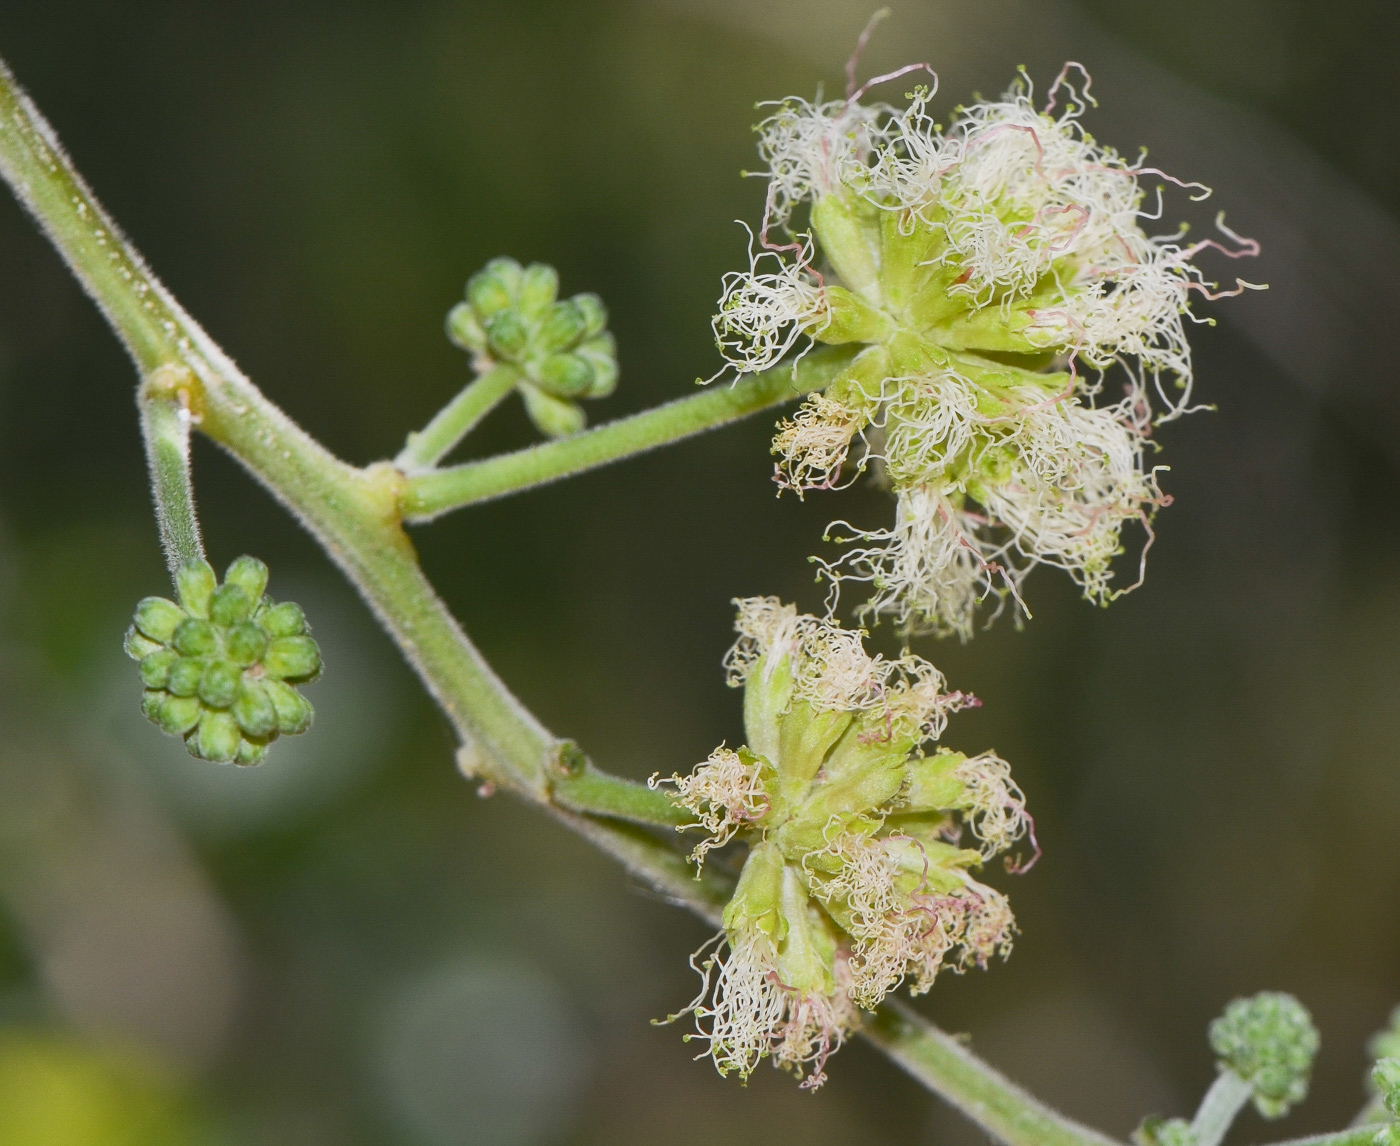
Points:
(562, 348)
(858, 876)
(220, 666)
(993, 271)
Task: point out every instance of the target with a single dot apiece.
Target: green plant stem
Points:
(587, 789)
(1222, 1102)
(165, 428)
(429, 495)
(355, 515)
(970, 1085)
(457, 419)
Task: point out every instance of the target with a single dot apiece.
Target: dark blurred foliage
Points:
(348, 945)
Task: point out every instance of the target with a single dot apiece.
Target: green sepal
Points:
(805, 736)
(756, 902)
(848, 229)
(849, 318)
(195, 584)
(250, 575)
(156, 618)
(855, 791)
(553, 417)
(767, 694)
(931, 785)
(806, 954)
(293, 658)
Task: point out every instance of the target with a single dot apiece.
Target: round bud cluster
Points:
(1269, 1041)
(513, 315)
(219, 666)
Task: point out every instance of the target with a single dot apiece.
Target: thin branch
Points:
(430, 495)
(165, 429)
(457, 419)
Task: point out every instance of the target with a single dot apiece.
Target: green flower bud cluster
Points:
(512, 314)
(219, 667)
(854, 879)
(1269, 1041)
(1385, 1077)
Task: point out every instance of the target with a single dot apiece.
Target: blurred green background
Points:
(348, 946)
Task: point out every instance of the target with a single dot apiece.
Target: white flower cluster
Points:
(996, 269)
(854, 880)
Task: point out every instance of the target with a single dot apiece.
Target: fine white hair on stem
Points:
(724, 793)
(831, 669)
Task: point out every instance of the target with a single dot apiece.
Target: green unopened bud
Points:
(1385, 1077)
(494, 287)
(229, 605)
(600, 353)
(195, 585)
(254, 711)
(214, 667)
(246, 643)
(155, 668)
(219, 684)
(539, 287)
(564, 324)
(507, 336)
(464, 329)
(179, 714)
(250, 575)
(195, 638)
(156, 618)
(250, 752)
(217, 737)
(554, 417)
(595, 314)
(1269, 1041)
(284, 620)
(565, 376)
(184, 677)
(293, 658)
(293, 710)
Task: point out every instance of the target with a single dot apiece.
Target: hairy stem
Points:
(355, 515)
(457, 419)
(429, 495)
(165, 428)
(1222, 1102)
(970, 1085)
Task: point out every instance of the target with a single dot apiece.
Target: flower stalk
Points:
(457, 419)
